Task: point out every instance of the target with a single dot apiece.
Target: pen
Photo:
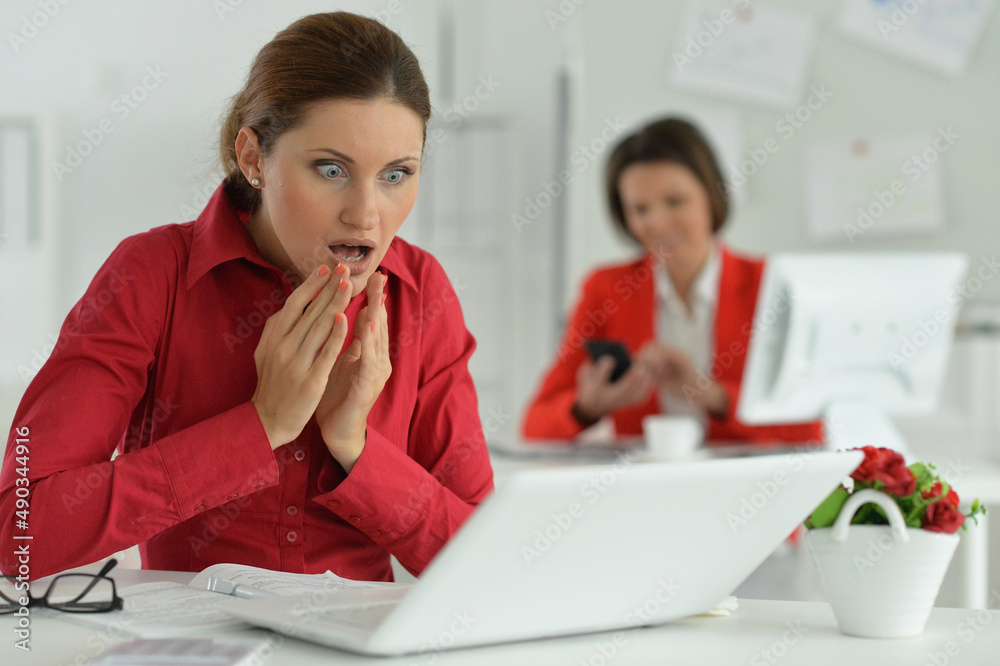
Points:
(224, 586)
(250, 593)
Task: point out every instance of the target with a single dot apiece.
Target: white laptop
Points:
(576, 550)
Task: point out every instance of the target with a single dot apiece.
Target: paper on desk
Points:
(279, 582)
(166, 609)
(161, 609)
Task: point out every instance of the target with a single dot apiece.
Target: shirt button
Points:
(356, 519)
(300, 455)
(376, 533)
(233, 496)
(334, 502)
(199, 509)
(261, 484)
(292, 510)
(292, 536)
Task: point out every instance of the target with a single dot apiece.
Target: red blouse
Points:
(156, 362)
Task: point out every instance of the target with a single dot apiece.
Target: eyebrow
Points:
(350, 160)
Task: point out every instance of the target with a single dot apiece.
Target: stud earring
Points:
(255, 182)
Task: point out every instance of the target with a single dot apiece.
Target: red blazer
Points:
(618, 302)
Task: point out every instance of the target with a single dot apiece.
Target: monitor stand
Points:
(853, 424)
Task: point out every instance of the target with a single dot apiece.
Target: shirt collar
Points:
(220, 235)
(706, 285)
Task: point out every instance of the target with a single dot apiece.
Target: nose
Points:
(362, 207)
(657, 220)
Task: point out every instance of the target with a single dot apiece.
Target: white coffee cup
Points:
(672, 437)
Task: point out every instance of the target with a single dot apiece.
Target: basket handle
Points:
(868, 496)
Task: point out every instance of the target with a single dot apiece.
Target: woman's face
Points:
(337, 187)
(668, 211)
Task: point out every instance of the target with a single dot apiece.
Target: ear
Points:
(248, 153)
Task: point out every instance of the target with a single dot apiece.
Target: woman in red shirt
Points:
(684, 309)
(284, 381)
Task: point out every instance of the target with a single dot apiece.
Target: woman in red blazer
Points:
(684, 309)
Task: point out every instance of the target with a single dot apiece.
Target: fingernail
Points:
(372, 326)
(344, 284)
(322, 270)
(339, 317)
(341, 269)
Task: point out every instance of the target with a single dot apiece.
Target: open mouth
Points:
(356, 258)
(350, 254)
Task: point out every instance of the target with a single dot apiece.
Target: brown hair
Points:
(668, 140)
(319, 57)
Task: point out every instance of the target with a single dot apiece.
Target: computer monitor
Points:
(852, 338)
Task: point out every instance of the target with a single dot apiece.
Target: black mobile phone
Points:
(613, 348)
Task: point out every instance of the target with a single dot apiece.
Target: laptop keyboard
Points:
(361, 617)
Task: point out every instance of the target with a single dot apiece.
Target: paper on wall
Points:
(938, 33)
(874, 187)
(749, 53)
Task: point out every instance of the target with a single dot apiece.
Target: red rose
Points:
(943, 517)
(874, 461)
(935, 491)
(887, 467)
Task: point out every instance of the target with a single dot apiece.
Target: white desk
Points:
(760, 632)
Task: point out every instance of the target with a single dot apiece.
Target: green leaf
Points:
(826, 513)
(921, 471)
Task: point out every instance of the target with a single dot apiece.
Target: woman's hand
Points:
(674, 371)
(296, 351)
(357, 380)
(596, 395)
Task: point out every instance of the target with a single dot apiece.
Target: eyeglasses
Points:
(71, 593)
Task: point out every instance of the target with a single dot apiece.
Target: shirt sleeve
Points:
(550, 413)
(82, 505)
(410, 500)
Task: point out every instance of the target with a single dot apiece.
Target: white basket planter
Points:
(880, 580)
